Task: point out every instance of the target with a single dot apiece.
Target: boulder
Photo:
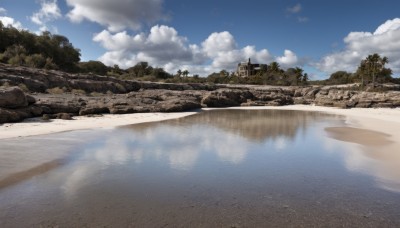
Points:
(226, 98)
(64, 116)
(12, 97)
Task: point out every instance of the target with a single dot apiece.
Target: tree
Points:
(298, 74)
(179, 73)
(340, 77)
(95, 67)
(372, 67)
(274, 67)
(185, 73)
(305, 78)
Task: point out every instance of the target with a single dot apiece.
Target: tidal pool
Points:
(219, 168)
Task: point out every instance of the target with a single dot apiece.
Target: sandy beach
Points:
(36, 126)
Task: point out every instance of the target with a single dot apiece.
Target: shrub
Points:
(55, 90)
(78, 91)
(23, 87)
(96, 94)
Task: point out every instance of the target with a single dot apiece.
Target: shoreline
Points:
(36, 126)
(381, 119)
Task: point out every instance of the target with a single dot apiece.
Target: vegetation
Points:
(49, 51)
(22, 48)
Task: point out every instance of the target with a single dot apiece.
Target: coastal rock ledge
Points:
(26, 93)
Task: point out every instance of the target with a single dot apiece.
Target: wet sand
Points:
(359, 136)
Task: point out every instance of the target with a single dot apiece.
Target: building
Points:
(246, 69)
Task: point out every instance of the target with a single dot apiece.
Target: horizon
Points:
(320, 37)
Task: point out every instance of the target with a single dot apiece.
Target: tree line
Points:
(371, 70)
(50, 51)
(23, 48)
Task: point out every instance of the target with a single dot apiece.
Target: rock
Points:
(16, 115)
(7, 116)
(30, 99)
(226, 98)
(46, 117)
(61, 103)
(178, 105)
(93, 110)
(64, 116)
(12, 97)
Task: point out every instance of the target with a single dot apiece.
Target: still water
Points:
(220, 168)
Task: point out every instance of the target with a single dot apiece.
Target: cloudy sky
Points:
(208, 36)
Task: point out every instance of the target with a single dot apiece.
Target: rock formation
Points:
(60, 95)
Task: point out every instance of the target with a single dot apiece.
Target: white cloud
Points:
(289, 59)
(294, 9)
(49, 11)
(164, 47)
(161, 47)
(384, 41)
(218, 43)
(117, 15)
(9, 21)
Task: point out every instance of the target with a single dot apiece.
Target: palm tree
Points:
(372, 65)
(179, 73)
(274, 67)
(185, 73)
(305, 78)
(299, 74)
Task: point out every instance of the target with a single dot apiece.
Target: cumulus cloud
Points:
(49, 11)
(9, 21)
(385, 40)
(294, 9)
(289, 59)
(116, 15)
(164, 47)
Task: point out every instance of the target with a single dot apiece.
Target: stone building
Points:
(245, 69)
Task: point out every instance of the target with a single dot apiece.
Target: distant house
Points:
(245, 69)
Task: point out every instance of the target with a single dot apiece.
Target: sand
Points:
(36, 126)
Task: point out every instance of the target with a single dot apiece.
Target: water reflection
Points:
(227, 133)
(249, 167)
(371, 153)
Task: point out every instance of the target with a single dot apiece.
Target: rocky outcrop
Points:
(16, 106)
(123, 96)
(226, 98)
(12, 97)
(271, 96)
(134, 102)
(37, 80)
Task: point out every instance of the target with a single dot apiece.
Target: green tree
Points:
(274, 67)
(185, 73)
(340, 77)
(298, 75)
(179, 73)
(95, 67)
(373, 67)
(305, 78)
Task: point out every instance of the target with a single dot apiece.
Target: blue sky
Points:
(207, 36)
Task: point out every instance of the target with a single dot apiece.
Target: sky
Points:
(208, 36)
